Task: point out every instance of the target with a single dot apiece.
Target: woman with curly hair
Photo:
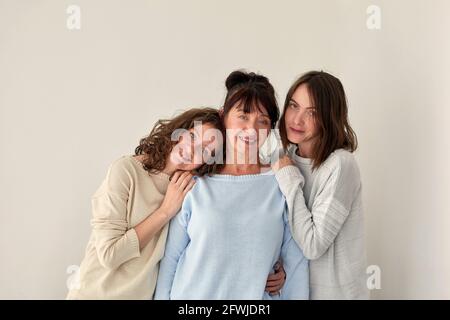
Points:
(139, 196)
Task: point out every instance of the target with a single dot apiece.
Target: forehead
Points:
(255, 108)
(202, 128)
(301, 96)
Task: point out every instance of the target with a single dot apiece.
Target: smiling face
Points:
(300, 118)
(195, 146)
(247, 131)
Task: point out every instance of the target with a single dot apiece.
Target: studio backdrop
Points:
(82, 81)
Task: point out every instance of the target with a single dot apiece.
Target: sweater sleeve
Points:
(177, 242)
(315, 230)
(296, 267)
(115, 243)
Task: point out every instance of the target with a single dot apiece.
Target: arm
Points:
(177, 241)
(315, 230)
(297, 268)
(115, 242)
(179, 185)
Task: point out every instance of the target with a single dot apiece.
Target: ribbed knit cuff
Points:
(288, 176)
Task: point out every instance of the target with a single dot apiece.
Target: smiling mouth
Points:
(297, 131)
(248, 140)
(185, 160)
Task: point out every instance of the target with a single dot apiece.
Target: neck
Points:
(241, 169)
(304, 150)
(170, 167)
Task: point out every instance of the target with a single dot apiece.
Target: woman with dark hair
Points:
(232, 227)
(321, 182)
(137, 199)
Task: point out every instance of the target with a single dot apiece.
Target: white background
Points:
(71, 102)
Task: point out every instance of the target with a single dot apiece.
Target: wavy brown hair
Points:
(158, 144)
(334, 130)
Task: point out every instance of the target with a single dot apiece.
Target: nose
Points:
(252, 124)
(299, 118)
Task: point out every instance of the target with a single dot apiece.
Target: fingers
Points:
(274, 286)
(278, 274)
(183, 180)
(189, 186)
(275, 277)
(275, 281)
(176, 176)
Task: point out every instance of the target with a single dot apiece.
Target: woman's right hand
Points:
(179, 185)
(281, 163)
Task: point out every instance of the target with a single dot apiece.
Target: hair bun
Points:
(239, 77)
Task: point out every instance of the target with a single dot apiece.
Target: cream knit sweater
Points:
(113, 266)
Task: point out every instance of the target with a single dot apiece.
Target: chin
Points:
(295, 140)
(188, 167)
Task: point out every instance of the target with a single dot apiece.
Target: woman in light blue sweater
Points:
(232, 227)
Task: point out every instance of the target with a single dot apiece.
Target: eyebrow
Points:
(292, 100)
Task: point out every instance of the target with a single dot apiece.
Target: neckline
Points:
(299, 159)
(231, 177)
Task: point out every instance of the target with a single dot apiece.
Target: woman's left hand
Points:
(276, 280)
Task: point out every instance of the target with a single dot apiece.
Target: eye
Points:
(192, 135)
(243, 117)
(293, 105)
(264, 122)
(311, 112)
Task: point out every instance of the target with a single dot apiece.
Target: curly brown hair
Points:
(158, 144)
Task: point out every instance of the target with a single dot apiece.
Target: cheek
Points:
(263, 133)
(288, 116)
(312, 127)
(232, 123)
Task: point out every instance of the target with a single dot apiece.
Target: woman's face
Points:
(300, 118)
(195, 147)
(247, 131)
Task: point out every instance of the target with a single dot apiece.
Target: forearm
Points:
(150, 226)
(301, 220)
(314, 230)
(177, 242)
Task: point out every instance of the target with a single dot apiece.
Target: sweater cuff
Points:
(134, 243)
(288, 176)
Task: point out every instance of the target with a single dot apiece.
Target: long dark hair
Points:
(334, 130)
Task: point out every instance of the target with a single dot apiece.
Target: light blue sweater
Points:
(224, 242)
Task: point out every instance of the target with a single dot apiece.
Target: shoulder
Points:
(122, 166)
(341, 163)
